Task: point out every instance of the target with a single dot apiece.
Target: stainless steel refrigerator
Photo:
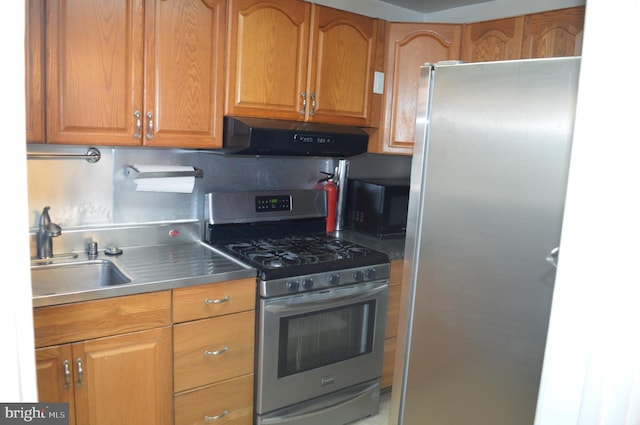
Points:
(488, 180)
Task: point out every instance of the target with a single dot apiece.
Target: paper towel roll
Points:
(164, 184)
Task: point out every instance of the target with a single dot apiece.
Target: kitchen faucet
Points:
(46, 232)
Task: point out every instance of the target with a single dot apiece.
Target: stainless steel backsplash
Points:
(82, 194)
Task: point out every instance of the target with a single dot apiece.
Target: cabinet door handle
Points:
(67, 374)
(215, 418)
(313, 104)
(150, 132)
(304, 103)
(216, 353)
(218, 301)
(80, 370)
(138, 116)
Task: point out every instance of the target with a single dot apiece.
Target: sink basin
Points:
(79, 276)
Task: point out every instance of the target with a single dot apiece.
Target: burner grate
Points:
(292, 251)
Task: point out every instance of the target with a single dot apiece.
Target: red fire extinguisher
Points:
(332, 197)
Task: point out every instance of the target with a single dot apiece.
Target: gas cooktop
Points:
(306, 254)
(282, 235)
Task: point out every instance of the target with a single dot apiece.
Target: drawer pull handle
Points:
(67, 374)
(80, 372)
(216, 353)
(218, 301)
(215, 418)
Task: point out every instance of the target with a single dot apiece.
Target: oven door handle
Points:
(285, 309)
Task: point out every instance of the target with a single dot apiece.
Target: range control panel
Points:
(261, 206)
(273, 203)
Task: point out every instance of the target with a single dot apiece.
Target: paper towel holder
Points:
(133, 173)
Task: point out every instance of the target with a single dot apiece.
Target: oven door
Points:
(316, 343)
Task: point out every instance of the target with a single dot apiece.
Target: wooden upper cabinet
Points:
(495, 40)
(184, 86)
(340, 84)
(94, 70)
(554, 33)
(112, 80)
(289, 59)
(409, 46)
(34, 70)
(267, 54)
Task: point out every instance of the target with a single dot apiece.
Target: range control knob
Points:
(371, 274)
(293, 286)
(358, 275)
(307, 284)
(334, 279)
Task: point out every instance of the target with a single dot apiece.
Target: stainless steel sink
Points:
(78, 276)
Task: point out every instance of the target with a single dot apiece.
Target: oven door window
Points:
(311, 340)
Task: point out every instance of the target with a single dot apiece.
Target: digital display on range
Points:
(273, 203)
(311, 138)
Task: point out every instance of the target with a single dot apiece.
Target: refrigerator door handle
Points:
(553, 257)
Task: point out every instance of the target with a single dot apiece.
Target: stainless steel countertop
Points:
(156, 260)
(393, 247)
(156, 268)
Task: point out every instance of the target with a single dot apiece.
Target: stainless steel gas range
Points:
(322, 306)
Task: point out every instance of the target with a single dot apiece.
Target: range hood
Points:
(257, 136)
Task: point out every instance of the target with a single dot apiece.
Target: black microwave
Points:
(377, 207)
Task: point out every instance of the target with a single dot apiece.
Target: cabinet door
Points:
(341, 67)
(553, 34)
(267, 55)
(408, 47)
(94, 70)
(34, 70)
(125, 379)
(495, 40)
(183, 73)
(56, 378)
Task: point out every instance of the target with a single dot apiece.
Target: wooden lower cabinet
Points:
(127, 360)
(110, 359)
(230, 402)
(388, 362)
(393, 312)
(213, 350)
(121, 379)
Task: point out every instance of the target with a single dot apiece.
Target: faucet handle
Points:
(44, 217)
(51, 229)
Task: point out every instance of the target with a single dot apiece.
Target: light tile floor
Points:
(382, 418)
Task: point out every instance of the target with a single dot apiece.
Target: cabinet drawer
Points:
(94, 319)
(210, 350)
(235, 397)
(215, 299)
